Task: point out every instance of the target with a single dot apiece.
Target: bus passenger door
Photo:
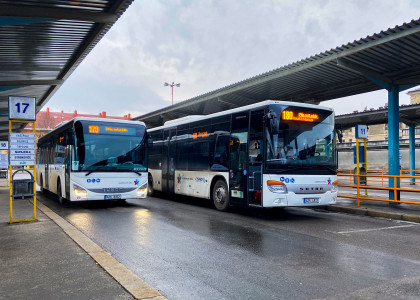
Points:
(171, 160)
(238, 173)
(47, 167)
(256, 130)
(168, 166)
(67, 170)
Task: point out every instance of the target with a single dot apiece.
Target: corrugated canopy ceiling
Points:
(409, 114)
(391, 56)
(43, 41)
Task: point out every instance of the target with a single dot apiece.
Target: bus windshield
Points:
(300, 140)
(109, 146)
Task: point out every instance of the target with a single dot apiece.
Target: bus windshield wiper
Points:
(310, 167)
(96, 170)
(127, 170)
(289, 168)
(326, 167)
(113, 170)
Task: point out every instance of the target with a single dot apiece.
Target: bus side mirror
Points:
(339, 135)
(149, 142)
(274, 124)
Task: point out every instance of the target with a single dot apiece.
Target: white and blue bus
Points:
(94, 159)
(270, 154)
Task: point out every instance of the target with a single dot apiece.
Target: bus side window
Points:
(256, 130)
(221, 152)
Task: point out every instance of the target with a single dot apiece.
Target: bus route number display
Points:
(289, 115)
(95, 129)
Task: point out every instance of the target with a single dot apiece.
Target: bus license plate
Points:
(110, 197)
(310, 200)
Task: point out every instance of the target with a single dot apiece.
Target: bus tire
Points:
(220, 195)
(150, 190)
(61, 199)
(42, 185)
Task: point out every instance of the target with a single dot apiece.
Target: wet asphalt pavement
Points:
(187, 250)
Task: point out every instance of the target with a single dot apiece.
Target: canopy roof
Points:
(409, 114)
(42, 42)
(390, 56)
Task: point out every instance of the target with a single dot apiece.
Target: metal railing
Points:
(382, 172)
(397, 180)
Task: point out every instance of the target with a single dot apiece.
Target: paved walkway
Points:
(50, 259)
(398, 211)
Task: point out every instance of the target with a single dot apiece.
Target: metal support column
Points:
(393, 114)
(393, 138)
(411, 134)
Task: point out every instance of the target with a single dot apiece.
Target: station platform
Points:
(381, 209)
(43, 259)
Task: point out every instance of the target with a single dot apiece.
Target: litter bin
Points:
(363, 180)
(3, 174)
(23, 188)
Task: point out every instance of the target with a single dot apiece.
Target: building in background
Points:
(47, 120)
(414, 96)
(379, 133)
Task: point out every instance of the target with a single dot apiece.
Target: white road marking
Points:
(373, 229)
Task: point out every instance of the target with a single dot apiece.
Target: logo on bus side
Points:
(287, 180)
(200, 179)
(93, 180)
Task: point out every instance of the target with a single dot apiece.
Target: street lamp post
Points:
(172, 88)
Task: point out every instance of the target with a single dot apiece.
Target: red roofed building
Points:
(47, 120)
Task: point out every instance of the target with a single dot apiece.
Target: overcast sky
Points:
(206, 44)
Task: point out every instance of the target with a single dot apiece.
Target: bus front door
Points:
(47, 168)
(238, 177)
(168, 163)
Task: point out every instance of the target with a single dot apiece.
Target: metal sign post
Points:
(361, 135)
(22, 151)
(4, 162)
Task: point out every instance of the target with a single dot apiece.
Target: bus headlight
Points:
(79, 192)
(276, 186)
(334, 186)
(142, 191)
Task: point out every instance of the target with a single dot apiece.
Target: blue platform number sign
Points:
(22, 108)
(361, 131)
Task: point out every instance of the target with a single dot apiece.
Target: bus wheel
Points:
(220, 195)
(150, 190)
(61, 199)
(42, 186)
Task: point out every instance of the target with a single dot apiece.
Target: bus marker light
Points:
(142, 191)
(79, 192)
(334, 186)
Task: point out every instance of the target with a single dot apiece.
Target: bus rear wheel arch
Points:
(60, 197)
(150, 190)
(220, 195)
(42, 185)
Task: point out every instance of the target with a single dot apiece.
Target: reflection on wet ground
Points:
(188, 249)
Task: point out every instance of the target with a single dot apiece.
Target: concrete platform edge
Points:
(133, 284)
(373, 213)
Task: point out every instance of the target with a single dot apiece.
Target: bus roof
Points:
(191, 118)
(107, 120)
